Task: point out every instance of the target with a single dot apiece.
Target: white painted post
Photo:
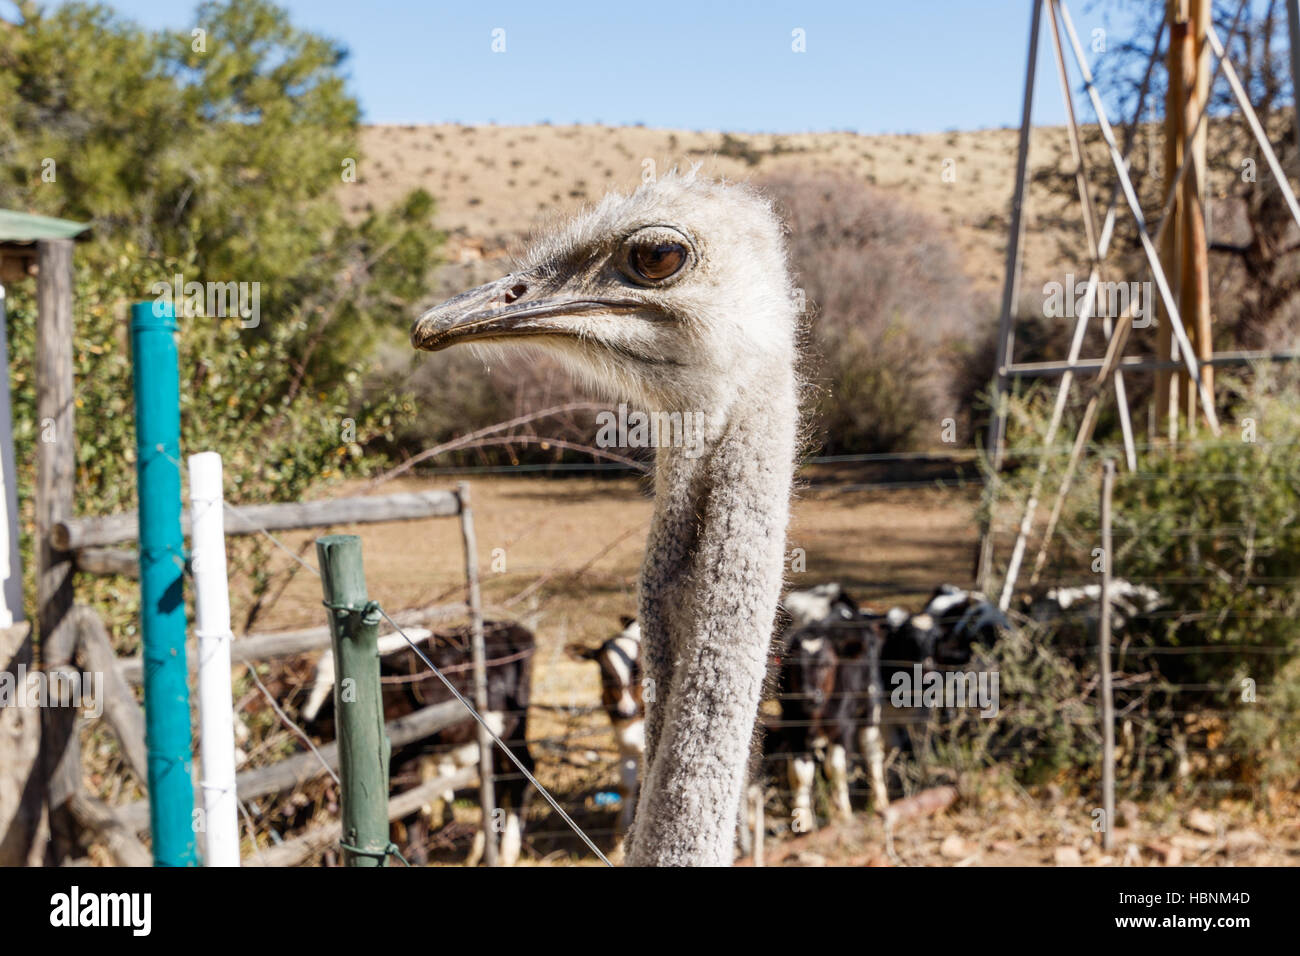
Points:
(11, 565)
(216, 713)
(1103, 638)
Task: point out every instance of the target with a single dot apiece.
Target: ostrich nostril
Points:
(516, 290)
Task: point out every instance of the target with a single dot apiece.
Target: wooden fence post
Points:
(872, 742)
(364, 747)
(56, 465)
(487, 791)
(1103, 633)
(744, 816)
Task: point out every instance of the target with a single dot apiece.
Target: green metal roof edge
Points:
(29, 227)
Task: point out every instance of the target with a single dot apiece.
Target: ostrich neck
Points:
(709, 590)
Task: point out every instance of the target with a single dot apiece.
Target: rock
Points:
(926, 803)
(1068, 856)
(954, 847)
(1165, 853)
(1191, 844)
(1126, 814)
(1201, 822)
(809, 858)
(1243, 841)
(1119, 835)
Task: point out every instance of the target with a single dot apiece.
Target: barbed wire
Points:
(287, 721)
(472, 711)
(954, 455)
(893, 717)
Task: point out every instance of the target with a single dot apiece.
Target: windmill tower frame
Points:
(1180, 232)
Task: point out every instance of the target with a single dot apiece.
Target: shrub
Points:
(1214, 526)
(236, 399)
(892, 314)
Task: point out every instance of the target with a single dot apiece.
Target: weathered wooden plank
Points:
(487, 792)
(121, 711)
(22, 797)
(300, 768)
(292, 852)
(108, 561)
(73, 534)
(96, 816)
(56, 464)
(266, 647)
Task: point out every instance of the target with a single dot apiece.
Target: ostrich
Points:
(678, 298)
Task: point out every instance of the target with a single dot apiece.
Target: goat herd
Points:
(832, 664)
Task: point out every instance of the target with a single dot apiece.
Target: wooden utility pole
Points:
(1167, 380)
(1195, 295)
(56, 466)
(1185, 252)
(478, 656)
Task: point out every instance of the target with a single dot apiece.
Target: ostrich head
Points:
(668, 298)
(678, 298)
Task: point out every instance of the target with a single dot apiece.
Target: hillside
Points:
(493, 183)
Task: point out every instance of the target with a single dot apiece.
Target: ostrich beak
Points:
(505, 309)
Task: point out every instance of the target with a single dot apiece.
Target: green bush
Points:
(1214, 526)
(235, 400)
(891, 316)
(224, 163)
(221, 161)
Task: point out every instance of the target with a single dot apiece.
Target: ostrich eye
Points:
(657, 261)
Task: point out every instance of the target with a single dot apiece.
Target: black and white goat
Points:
(822, 683)
(1082, 605)
(824, 677)
(964, 619)
(409, 685)
(618, 658)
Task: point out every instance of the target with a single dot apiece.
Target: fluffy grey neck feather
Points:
(709, 590)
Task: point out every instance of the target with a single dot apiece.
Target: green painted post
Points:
(364, 747)
(162, 601)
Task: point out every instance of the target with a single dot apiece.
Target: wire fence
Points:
(1211, 532)
(598, 757)
(505, 746)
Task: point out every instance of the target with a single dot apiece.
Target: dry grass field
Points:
(571, 549)
(561, 555)
(494, 183)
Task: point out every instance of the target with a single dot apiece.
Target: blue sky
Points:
(874, 66)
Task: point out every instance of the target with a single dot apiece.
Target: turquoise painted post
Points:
(162, 601)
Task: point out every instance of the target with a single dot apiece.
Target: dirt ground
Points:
(561, 555)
